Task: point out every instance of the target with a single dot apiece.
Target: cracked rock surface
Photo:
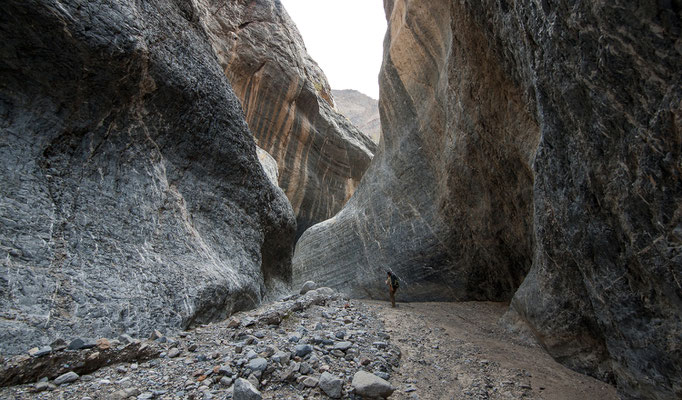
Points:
(131, 193)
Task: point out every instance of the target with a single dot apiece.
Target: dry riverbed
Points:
(459, 351)
(307, 347)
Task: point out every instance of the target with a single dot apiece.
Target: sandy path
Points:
(458, 351)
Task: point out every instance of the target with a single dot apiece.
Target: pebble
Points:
(174, 352)
(343, 346)
(262, 354)
(258, 364)
(310, 382)
(66, 378)
(303, 350)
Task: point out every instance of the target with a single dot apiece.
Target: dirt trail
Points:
(459, 351)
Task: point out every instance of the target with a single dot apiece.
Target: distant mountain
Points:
(361, 110)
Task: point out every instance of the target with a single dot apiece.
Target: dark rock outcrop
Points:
(132, 197)
(288, 106)
(529, 138)
(361, 110)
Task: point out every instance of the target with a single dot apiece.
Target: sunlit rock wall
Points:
(538, 137)
(288, 105)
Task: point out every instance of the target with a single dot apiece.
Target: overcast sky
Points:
(345, 37)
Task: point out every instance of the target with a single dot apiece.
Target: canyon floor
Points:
(296, 347)
(459, 351)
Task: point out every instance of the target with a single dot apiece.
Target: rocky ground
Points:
(315, 346)
(461, 351)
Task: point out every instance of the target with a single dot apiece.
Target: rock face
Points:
(132, 197)
(288, 105)
(529, 140)
(362, 110)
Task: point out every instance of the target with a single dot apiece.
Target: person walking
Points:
(392, 282)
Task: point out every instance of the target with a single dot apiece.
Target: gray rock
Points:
(383, 375)
(303, 350)
(79, 344)
(305, 368)
(340, 334)
(343, 346)
(244, 390)
(125, 393)
(66, 378)
(174, 352)
(332, 386)
(43, 386)
(251, 354)
(282, 357)
(308, 286)
(43, 351)
(370, 385)
(225, 370)
(158, 171)
(258, 364)
(310, 382)
(533, 151)
(58, 345)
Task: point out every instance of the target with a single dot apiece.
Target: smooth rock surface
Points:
(308, 286)
(288, 105)
(66, 378)
(534, 142)
(131, 196)
(369, 385)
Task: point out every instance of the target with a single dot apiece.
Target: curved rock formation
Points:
(529, 136)
(361, 110)
(288, 106)
(132, 197)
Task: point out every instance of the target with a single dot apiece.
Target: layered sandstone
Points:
(132, 194)
(534, 142)
(288, 104)
(361, 110)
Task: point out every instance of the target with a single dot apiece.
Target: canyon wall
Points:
(288, 104)
(361, 110)
(535, 142)
(132, 194)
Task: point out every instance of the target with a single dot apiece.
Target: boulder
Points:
(331, 385)
(132, 194)
(369, 385)
(244, 390)
(308, 286)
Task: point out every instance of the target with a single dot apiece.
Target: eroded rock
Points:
(533, 142)
(288, 104)
(132, 196)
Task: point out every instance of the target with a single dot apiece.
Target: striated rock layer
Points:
(288, 105)
(132, 196)
(361, 110)
(530, 141)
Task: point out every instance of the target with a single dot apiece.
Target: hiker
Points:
(392, 282)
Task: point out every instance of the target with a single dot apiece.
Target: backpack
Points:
(394, 282)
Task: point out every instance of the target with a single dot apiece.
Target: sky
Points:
(345, 37)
